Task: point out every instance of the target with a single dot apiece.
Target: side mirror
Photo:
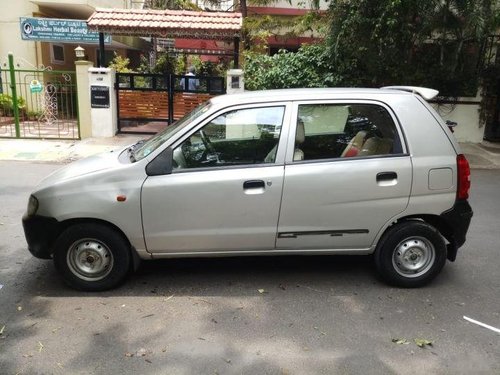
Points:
(162, 164)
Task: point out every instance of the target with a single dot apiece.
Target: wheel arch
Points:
(63, 225)
(435, 221)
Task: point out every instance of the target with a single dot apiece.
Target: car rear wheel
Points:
(410, 254)
(92, 257)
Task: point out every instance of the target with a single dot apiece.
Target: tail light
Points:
(463, 177)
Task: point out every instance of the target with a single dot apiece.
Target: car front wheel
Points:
(410, 254)
(92, 257)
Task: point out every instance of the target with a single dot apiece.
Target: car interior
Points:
(343, 131)
(323, 131)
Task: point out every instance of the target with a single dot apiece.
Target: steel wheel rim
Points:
(90, 259)
(413, 257)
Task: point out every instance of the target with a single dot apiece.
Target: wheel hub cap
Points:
(413, 257)
(90, 259)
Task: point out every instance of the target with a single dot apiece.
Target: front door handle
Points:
(253, 184)
(252, 187)
(387, 178)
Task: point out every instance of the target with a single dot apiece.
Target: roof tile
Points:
(166, 22)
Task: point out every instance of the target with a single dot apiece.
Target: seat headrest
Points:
(300, 133)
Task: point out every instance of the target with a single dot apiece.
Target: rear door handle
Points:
(253, 187)
(387, 178)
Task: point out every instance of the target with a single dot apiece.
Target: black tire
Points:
(92, 257)
(410, 254)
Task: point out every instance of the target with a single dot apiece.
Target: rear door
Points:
(344, 178)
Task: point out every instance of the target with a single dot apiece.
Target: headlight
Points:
(32, 205)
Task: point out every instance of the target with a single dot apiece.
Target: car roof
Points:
(301, 94)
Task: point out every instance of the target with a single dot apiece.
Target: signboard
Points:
(58, 30)
(99, 96)
(35, 86)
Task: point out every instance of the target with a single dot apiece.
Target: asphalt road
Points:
(268, 315)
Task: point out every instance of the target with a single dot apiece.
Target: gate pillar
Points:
(102, 102)
(82, 84)
(235, 81)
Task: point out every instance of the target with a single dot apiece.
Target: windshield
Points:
(158, 139)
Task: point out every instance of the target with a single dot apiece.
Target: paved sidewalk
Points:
(61, 151)
(484, 155)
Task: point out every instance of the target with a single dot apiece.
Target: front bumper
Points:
(40, 233)
(458, 220)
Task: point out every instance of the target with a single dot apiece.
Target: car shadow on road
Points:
(237, 276)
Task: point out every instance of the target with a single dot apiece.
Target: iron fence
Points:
(38, 103)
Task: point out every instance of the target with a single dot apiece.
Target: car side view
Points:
(280, 172)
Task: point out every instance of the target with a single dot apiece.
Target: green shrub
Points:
(308, 67)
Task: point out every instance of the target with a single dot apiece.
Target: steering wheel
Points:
(207, 143)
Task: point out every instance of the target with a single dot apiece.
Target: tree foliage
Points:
(120, 64)
(432, 43)
(309, 67)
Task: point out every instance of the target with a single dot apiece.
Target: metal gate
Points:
(39, 103)
(147, 103)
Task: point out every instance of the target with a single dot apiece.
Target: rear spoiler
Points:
(424, 92)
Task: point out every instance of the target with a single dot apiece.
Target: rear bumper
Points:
(458, 220)
(40, 233)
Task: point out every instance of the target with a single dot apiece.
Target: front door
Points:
(349, 175)
(225, 190)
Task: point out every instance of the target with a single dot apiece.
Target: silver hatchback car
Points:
(300, 171)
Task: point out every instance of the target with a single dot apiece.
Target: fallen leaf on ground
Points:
(421, 343)
(148, 361)
(40, 347)
(60, 365)
(27, 355)
(141, 352)
(317, 329)
(2, 329)
(169, 297)
(261, 291)
(226, 360)
(400, 341)
(19, 308)
(129, 354)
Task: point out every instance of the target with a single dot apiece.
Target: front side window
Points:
(326, 131)
(157, 140)
(239, 137)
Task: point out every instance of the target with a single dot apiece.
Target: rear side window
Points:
(326, 131)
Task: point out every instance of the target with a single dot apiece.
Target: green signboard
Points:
(36, 86)
(58, 30)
